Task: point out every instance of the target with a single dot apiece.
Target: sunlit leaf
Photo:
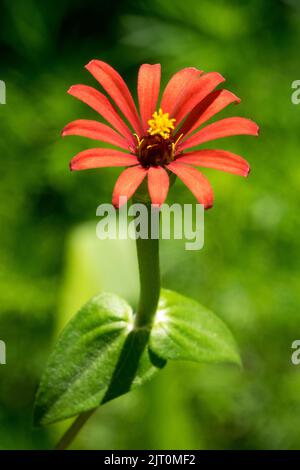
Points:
(98, 357)
(185, 330)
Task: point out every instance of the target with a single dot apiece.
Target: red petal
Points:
(115, 86)
(127, 183)
(95, 130)
(195, 181)
(176, 88)
(218, 159)
(207, 108)
(99, 158)
(224, 128)
(197, 92)
(101, 104)
(148, 91)
(158, 184)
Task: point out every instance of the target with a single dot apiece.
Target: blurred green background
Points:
(248, 270)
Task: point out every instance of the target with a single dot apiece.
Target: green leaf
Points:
(185, 330)
(97, 357)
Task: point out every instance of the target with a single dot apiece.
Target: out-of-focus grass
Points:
(248, 271)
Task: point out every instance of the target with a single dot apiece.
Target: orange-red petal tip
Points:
(64, 131)
(256, 129)
(89, 63)
(116, 202)
(237, 100)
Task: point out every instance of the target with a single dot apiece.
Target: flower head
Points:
(158, 139)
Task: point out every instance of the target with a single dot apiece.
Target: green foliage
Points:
(100, 356)
(185, 330)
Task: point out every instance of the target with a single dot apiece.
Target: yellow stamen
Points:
(177, 140)
(139, 141)
(161, 124)
(150, 146)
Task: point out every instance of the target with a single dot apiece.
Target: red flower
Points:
(156, 142)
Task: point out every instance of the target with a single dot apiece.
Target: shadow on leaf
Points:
(134, 354)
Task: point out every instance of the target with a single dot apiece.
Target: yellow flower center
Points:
(161, 124)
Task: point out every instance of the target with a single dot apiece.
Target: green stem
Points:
(148, 260)
(73, 430)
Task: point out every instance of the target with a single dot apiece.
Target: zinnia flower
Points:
(158, 140)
